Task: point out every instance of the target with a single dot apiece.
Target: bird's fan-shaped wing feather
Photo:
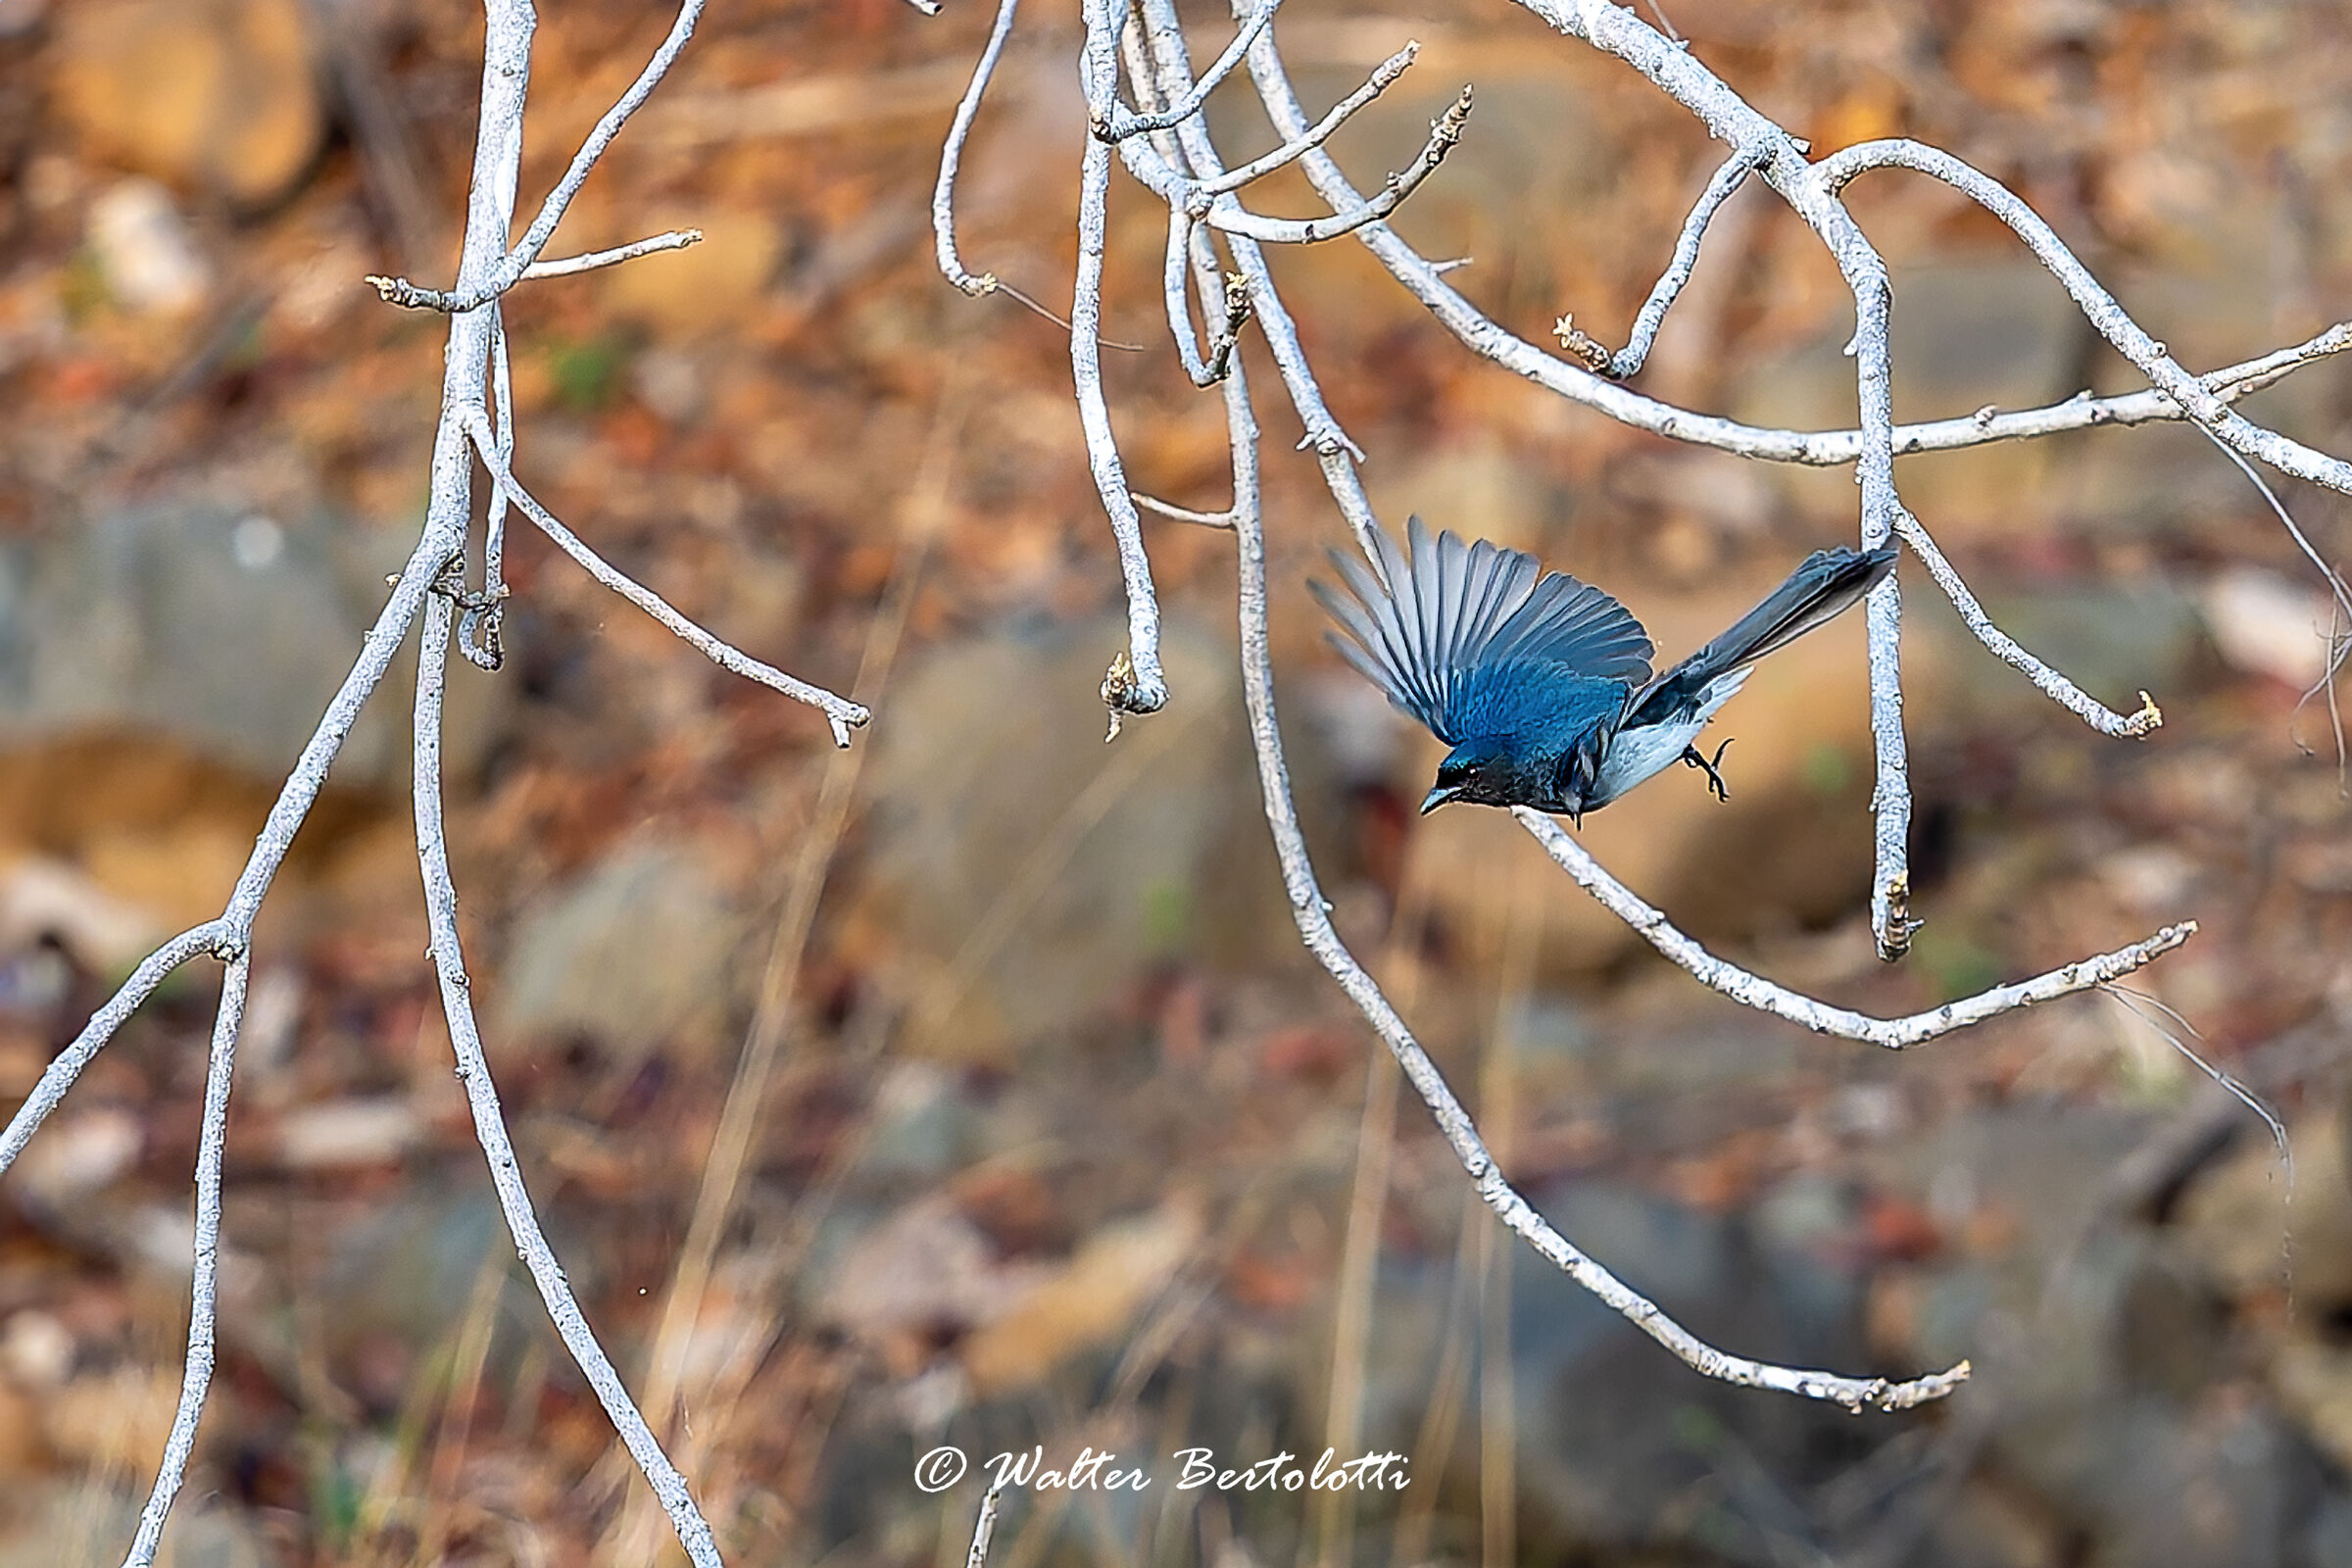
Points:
(1449, 609)
(1569, 623)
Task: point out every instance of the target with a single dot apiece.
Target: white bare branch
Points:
(196, 1373)
(513, 263)
(842, 715)
(1761, 994)
(675, 239)
(1118, 126)
(951, 158)
(2098, 306)
(1627, 362)
(489, 1121)
(476, 371)
(66, 1066)
(1297, 147)
(2064, 693)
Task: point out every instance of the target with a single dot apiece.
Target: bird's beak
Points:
(1435, 799)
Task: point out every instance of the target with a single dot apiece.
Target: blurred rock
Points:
(1612, 1429)
(144, 250)
(229, 629)
(635, 955)
(114, 1420)
(923, 1277)
(2267, 625)
(77, 1152)
(1025, 872)
(2238, 1223)
(219, 94)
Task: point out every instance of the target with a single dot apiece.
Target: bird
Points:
(1541, 683)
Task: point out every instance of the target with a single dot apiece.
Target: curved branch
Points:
(2150, 357)
(1119, 125)
(489, 1121)
(951, 158)
(1754, 991)
(2064, 693)
(1627, 361)
(841, 713)
(66, 1065)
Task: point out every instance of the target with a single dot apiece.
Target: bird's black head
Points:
(1548, 770)
(1478, 773)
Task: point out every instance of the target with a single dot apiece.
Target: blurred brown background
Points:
(1061, 1143)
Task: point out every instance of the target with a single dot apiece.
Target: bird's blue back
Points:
(1536, 709)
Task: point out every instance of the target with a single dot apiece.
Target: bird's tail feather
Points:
(1825, 585)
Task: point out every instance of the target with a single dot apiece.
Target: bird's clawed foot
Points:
(1692, 757)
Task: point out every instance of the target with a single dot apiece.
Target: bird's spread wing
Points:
(1450, 608)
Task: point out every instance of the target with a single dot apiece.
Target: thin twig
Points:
(2338, 645)
(66, 1066)
(1627, 361)
(2064, 693)
(1118, 126)
(1297, 147)
(1225, 212)
(1895, 1034)
(951, 158)
(511, 265)
(841, 713)
(1140, 687)
(2098, 306)
(1176, 513)
(676, 240)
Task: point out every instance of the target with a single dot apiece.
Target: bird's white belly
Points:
(1634, 754)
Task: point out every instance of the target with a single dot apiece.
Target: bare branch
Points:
(1225, 210)
(513, 263)
(2064, 693)
(1168, 63)
(2097, 305)
(1289, 152)
(841, 713)
(489, 1122)
(1176, 513)
(951, 158)
(676, 240)
(1204, 371)
(1754, 991)
(1140, 687)
(196, 1375)
(1627, 361)
(984, 1528)
(1119, 125)
(66, 1066)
